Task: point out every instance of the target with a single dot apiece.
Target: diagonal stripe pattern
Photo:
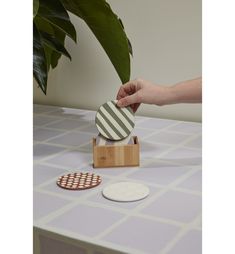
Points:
(114, 123)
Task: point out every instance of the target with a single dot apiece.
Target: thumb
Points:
(128, 100)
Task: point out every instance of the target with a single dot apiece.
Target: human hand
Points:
(138, 91)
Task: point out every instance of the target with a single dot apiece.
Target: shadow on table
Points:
(149, 151)
(72, 113)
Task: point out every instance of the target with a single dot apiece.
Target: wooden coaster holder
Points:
(116, 156)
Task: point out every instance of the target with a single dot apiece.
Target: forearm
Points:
(185, 92)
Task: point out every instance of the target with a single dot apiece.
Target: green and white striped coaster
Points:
(114, 123)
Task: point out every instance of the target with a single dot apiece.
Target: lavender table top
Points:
(167, 221)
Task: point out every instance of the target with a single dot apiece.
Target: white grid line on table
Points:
(166, 119)
(90, 240)
(122, 176)
(192, 137)
(61, 152)
(183, 227)
(44, 125)
(145, 163)
(59, 119)
(147, 202)
(83, 126)
(62, 146)
(179, 236)
(125, 212)
(64, 131)
(143, 118)
(161, 130)
(78, 129)
(128, 213)
(127, 173)
(71, 205)
(54, 109)
(39, 188)
(166, 128)
(61, 166)
(47, 142)
(66, 149)
(166, 189)
(73, 109)
(171, 147)
(182, 190)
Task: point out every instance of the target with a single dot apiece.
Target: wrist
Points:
(166, 97)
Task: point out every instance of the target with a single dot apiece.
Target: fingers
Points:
(130, 87)
(128, 100)
(135, 107)
(126, 89)
(121, 93)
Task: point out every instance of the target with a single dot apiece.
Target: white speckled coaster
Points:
(114, 123)
(126, 191)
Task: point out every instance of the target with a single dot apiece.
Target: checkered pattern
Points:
(167, 221)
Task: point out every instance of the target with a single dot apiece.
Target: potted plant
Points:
(51, 25)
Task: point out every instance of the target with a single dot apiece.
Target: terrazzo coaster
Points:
(125, 191)
(78, 181)
(114, 123)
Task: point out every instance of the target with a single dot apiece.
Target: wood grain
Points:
(116, 156)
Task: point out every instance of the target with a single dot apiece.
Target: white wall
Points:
(166, 41)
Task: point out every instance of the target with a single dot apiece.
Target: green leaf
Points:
(108, 30)
(43, 25)
(129, 43)
(48, 52)
(39, 61)
(35, 7)
(55, 56)
(54, 12)
(130, 47)
(52, 42)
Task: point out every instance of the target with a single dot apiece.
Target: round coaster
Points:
(114, 123)
(126, 191)
(78, 181)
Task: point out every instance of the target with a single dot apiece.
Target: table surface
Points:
(167, 221)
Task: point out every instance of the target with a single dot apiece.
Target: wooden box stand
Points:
(116, 156)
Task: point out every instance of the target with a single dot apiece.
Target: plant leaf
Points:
(55, 56)
(130, 47)
(48, 52)
(43, 25)
(54, 44)
(35, 7)
(54, 12)
(108, 30)
(129, 43)
(39, 61)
